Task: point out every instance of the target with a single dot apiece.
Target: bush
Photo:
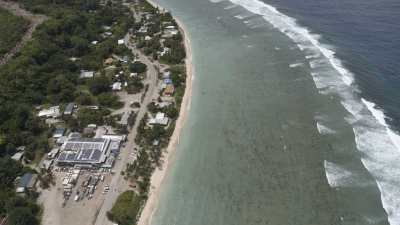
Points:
(99, 85)
(138, 67)
(22, 216)
(110, 100)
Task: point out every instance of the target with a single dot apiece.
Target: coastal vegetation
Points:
(166, 46)
(125, 210)
(12, 28)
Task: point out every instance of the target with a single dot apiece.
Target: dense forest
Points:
(44, 74)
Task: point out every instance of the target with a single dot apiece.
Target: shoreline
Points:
(159, 174)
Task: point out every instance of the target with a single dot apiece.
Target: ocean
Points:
(294, 116)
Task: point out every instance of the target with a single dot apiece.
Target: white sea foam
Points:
(322, 129)
(337, 176)
(312, 56)
(294, 65)
(231, 7)
(374, 138)
(380, 116)
(290, 27)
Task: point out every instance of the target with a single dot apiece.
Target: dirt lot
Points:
(81, 212)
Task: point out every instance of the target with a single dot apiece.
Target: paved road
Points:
(118, 184)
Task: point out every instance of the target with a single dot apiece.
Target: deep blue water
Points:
(366, 37)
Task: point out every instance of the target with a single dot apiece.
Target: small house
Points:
(52, 112)
(117, 86)
(121, 41)
(159, 119)
(18, 156)
(27, 182)
(169, 90)
(166, 75)
(69, 109)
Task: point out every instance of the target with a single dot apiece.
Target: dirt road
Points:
(35, 20)
(118, 184)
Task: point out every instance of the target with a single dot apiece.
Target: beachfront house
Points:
(159, 119)
(169, 90)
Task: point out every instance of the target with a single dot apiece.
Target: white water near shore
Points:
(374, 138)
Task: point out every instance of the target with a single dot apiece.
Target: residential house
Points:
(169, 90)
(27, 182)
(52, 112)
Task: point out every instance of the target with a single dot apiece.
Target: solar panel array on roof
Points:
(96, 155)
(84, 150)
(71, 156)
(85, 154)
(62, 156)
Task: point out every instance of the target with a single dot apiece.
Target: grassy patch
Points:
(126, 209)
(12, 28)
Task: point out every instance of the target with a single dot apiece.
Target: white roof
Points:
(166, 74)
(121, 41)
(18, 156)
(159, 119)
(160, 116)
(114, 137)
(117, 86)
(86, 74)
(20, 190)
(50, 112)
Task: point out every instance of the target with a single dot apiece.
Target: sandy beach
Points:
(160, 173)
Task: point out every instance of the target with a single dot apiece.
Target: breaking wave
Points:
(294, 65)
(379, 144)
(322, 129)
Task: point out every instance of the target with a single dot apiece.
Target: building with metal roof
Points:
(84, 151)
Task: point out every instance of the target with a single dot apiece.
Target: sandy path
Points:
(34, 19)
(159, 174)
